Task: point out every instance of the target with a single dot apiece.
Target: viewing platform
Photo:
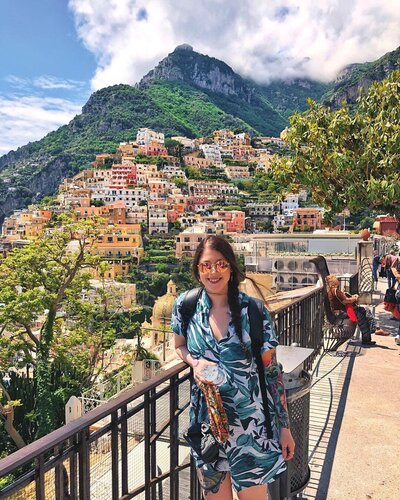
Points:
(132, 446)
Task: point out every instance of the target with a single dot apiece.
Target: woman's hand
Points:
(198, 365)
(287, 443)
(355, 298)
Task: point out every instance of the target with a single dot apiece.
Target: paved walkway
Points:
(354, 422)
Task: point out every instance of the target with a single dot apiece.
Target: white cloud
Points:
(264, 40)
(45, 82)
(52, 82)
(29, 118)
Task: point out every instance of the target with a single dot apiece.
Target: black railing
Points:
(350, 283)
(132, 446)
(301, 322)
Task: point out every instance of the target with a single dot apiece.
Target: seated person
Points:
(338, 301)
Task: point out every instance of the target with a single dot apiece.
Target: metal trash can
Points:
(298, 386)
(298, 399)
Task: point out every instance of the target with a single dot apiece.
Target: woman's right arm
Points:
(183, 352)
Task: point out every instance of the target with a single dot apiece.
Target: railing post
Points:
(72, 471)
(40, 486)
(84, 465)
(114, 455)
(124, 450)
(173, 436)
(147, 474)
(153, 442)
(59, 476)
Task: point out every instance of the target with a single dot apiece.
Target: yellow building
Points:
(120, 246)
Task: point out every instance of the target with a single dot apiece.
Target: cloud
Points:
(45, 82)
(262, 40)
(52, 82)
(29, 118)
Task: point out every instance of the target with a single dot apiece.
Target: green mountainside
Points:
(187, 93)
(357, 78)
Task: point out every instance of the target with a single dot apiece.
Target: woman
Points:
(218, 333)
(339, 300)
(396, 273)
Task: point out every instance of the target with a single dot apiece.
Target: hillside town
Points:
(148, 205)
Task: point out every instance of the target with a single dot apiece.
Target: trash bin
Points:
(298, 399)
(297, 384)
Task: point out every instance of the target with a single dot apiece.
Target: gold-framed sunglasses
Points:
(221, 266)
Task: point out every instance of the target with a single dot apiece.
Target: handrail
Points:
(65, 432)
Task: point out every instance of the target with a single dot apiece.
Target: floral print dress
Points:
(250, 457)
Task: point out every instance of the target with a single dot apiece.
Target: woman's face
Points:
(214, 271)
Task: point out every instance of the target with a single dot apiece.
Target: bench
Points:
(336, 331)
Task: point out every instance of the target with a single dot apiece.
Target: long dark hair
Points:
(220, 244)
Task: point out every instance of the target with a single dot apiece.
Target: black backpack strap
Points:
(255, 311)
(188, 307)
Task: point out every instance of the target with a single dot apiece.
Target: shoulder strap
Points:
(256, 336)
(188, 307)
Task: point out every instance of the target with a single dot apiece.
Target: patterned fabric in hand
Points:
(216, 412)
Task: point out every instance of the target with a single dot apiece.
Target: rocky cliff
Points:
(184, 64)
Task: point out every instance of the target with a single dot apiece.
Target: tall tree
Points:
(348, 160)
(39, 283)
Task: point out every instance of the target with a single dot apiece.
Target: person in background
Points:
(365, 320)
(396, 273)
(376, 262)
(218, 336)
(391, 258)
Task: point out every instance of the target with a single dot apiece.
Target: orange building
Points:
(234, 220)
(153, 149)
(307, 218)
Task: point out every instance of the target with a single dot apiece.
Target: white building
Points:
(146, 136)
(188, 144)
(290, 204)
(212, 152)
(136, 215)
(131, 197)
(263, 209)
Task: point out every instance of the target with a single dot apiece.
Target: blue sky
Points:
(54, 53)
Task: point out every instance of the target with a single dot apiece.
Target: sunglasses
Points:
(221, 266)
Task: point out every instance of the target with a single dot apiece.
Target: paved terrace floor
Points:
(354, 422)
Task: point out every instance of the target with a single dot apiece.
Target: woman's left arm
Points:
(276, 388)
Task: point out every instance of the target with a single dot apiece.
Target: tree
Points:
(348, 160)
(43, 283)
(174, 148)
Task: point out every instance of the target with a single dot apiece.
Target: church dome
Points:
(162, 310)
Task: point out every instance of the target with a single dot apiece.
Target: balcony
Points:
(132, 446)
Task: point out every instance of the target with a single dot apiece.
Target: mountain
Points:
(357, 78)
(187, 93)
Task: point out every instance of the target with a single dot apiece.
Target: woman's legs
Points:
(253, 493)
(220, 491)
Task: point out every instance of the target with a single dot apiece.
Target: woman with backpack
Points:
(217, 344)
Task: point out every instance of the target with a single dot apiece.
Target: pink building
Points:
(234, 220)
(195, 203)
(123, 175)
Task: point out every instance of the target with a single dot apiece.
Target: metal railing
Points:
(301, 322)
(132, 446)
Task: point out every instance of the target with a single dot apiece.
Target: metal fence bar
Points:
(173, 435)
(114, 455)
(147, 472)
(84, 465)
(40, 486)
(124, 450)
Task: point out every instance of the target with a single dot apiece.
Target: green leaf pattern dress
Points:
(248, 455)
